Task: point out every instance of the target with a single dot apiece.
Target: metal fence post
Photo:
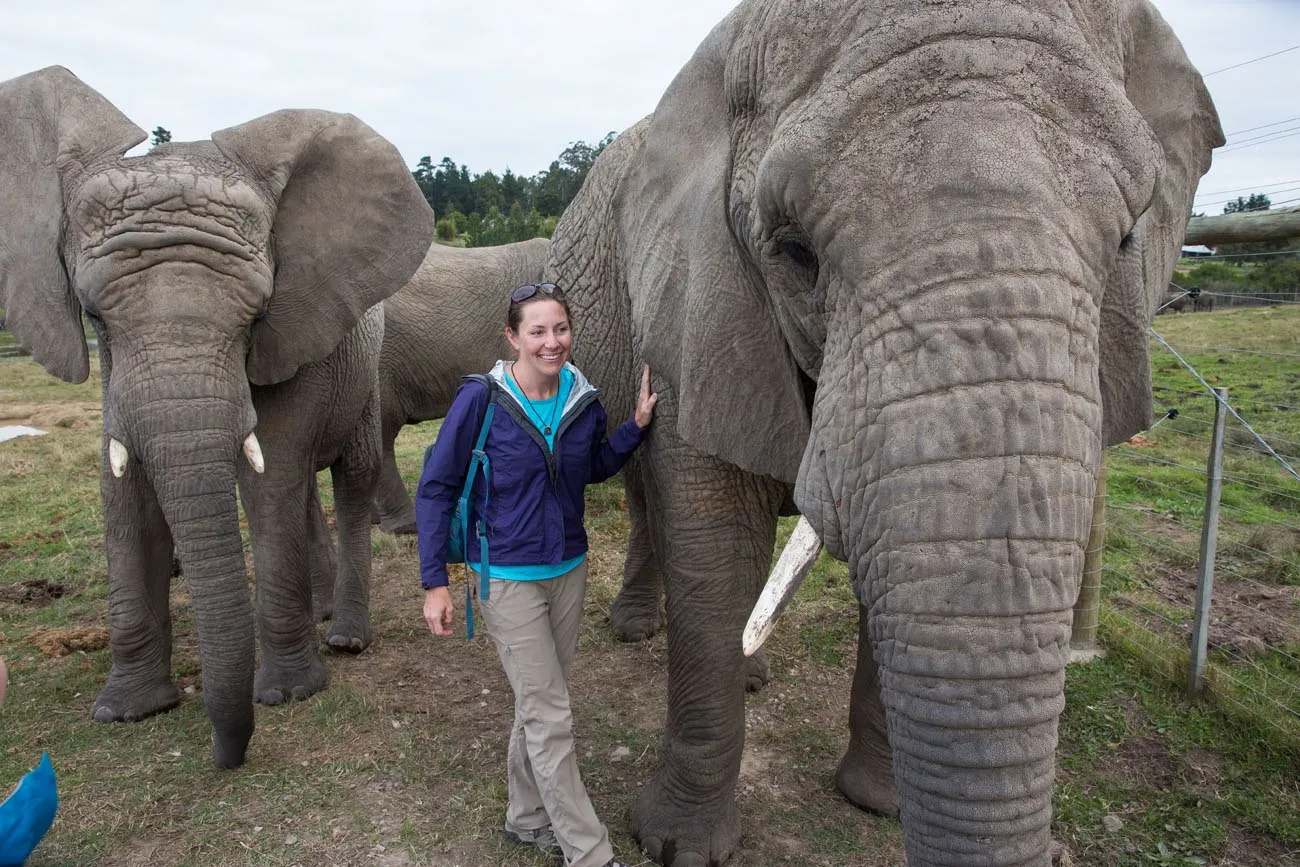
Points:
(1083, 634)
(1209, 542)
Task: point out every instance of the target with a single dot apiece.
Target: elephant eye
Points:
(798, 252)
(1126, 243)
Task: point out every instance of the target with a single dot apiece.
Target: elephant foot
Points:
(349, 634)
(278, 684)
(684, 835)
(633, 619)
(321, 611)
(398, 526)
(757, 671)
(867, 783)
(122, 700)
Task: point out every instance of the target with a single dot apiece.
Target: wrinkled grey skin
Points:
(447, 321)
(234, 285)
(898, 258)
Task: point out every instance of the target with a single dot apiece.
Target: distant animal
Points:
(1203, 303)
(1175, 302)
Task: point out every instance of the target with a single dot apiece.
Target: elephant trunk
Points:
(187, 445)
(962, 506)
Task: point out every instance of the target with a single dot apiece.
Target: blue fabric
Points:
(27, 814)
(535, 512)
(539, 572)
(542, 411)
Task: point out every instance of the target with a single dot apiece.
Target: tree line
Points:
(483, 210)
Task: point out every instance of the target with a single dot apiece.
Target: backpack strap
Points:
(479, 463)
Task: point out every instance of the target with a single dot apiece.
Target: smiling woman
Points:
(545, 446)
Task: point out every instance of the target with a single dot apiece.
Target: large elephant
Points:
(447, 321)
(900, 259)
(234, 286)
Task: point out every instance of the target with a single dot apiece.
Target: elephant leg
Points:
(138, 545)
(393, 503)
(714, 526)
(634, 616)
(321, 559)
(354, 475)
(280, 522)
(866, 772)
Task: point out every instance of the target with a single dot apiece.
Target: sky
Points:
(499, 84)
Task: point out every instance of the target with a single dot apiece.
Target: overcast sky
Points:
(510, 83)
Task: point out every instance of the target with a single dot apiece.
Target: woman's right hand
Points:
(438, 610)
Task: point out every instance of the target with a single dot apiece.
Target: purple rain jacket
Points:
(535, 511)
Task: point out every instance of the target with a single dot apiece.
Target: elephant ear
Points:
(1166, 89)
(54, 125)
(699, 304)
(350, 229)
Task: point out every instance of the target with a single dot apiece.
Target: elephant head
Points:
(903, 257)
(204, 267)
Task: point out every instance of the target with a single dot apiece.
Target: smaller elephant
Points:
(234, 285)
(1203, 303)
(447, 321)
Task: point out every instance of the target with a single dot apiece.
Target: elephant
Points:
(896, 260)
(447, 321)
(235, 286)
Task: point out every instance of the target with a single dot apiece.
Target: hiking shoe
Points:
(543, 838)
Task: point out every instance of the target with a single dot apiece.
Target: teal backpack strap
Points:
(478, 463)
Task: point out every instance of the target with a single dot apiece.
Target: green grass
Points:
(1156, 499)
(404, 749)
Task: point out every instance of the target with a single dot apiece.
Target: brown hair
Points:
(515, 312)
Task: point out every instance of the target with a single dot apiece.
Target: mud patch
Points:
(62, 642)
(70, 416)
(35, 594)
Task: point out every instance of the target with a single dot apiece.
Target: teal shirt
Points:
(541, 413)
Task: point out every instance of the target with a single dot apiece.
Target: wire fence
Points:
(1206, 589)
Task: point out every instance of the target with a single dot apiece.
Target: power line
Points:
(1264, 136)
(1247, 62)
(1252, 144)
(1255, 188)
(1261, 126)
(1225, 201)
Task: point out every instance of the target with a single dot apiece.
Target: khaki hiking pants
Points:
(534, 625)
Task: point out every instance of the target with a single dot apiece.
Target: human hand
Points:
(645, 401)
(438, 610)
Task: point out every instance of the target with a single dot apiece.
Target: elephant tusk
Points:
(117, 457)
(794, 564)
(253, 451)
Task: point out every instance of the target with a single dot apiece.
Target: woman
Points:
(546, 442)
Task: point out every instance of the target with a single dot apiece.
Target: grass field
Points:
(401, 760)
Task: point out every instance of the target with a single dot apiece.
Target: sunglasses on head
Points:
(528, 290)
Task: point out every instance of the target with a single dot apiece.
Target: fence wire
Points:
(1150, 562)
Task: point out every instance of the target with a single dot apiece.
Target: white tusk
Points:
(794, 564)
(117, 457)
(253, 451)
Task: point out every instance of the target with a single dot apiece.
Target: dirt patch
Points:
(61, 642)
(36, 593)
(1247, 616)
(72, 416)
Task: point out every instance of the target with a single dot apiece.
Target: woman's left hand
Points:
(645, 401)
